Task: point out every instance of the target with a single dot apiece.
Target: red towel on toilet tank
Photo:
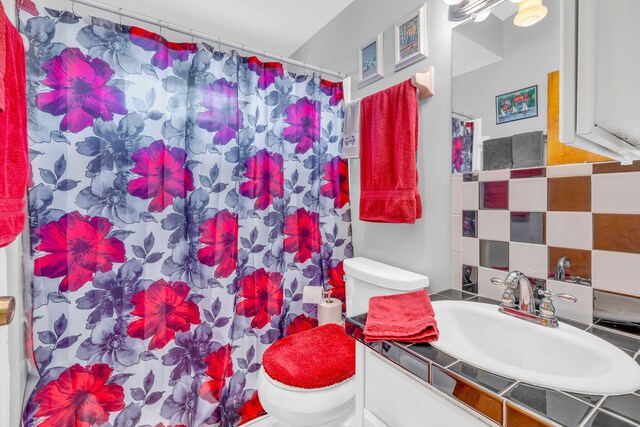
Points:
(388, 144)
(14, 157)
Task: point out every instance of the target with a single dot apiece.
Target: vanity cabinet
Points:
(388, 396)
(599, 108)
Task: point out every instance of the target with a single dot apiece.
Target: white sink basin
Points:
(564, 358)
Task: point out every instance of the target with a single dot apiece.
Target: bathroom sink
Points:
(564, 358)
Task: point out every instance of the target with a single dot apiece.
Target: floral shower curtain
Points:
(181, 200)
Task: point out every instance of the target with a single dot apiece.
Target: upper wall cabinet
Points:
(600, 65)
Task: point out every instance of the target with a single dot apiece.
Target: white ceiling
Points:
(278, 26)
(468, 55)
(505, 10)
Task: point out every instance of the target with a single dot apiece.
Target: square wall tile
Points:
(497, 175)
(616, 193)
(470, 279)
(470, 223)
(571, 194)
(580, 262)
(616, 232)
(494, 255)
(615, 307)
(456, 270)
(494, 195)
(456, 194)
(616, 272)
(470, 251)
(528, 195)
(530, 259)
(456, 235)
(529, 227)
(581, 310)
(486, 288)
(469, 177)
(615, 167)
(493, 225)
(570, 230)
(578, 169)
(470, 196)
(528, 173)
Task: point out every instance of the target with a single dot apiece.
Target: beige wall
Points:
(425, 246)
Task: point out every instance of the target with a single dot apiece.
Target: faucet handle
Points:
(499, 282)
(547, 309)
(561, 297)
(507, 298)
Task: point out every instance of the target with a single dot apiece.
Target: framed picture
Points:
(517, 105)
(411, 38)
(370, 60)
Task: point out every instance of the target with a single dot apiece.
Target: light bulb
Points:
(516, 1)
(482, 15)
(530, 12)
(452, 2)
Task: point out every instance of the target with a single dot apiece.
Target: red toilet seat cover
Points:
(317, 358)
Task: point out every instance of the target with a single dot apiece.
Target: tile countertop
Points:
(506, 401)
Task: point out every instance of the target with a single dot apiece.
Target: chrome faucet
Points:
(526, 308)
(561, 268)
(527, 301)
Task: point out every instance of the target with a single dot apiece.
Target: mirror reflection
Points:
(501, 75)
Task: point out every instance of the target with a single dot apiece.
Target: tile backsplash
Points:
(528, 219)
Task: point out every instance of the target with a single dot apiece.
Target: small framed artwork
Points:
(517, 105)
(370, 60)
(411, 38)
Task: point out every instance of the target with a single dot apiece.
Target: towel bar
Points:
(424, 82)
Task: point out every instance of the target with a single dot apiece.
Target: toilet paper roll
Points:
(330, 312)
(312, 294)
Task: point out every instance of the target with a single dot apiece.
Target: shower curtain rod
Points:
(187, 31)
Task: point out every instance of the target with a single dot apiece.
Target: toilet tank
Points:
(365, 278)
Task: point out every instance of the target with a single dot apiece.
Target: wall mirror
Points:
(506, 114)
(500, 85)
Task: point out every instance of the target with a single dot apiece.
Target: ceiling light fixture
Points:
(453, 2)
(530, 12)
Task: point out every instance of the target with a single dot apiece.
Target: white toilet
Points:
(323, 404)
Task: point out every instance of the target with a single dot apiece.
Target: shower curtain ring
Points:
(193, 40)
(73, 8)
(120, 12)
(219, 44)
(160, 27)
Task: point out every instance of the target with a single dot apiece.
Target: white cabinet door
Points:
(393, 398)
(599, 111)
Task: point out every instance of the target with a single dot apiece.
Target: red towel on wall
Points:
(3, 54)
(388, 144)
(405, 317)
(14, 157)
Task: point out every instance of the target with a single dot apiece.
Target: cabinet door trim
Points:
(577, 85)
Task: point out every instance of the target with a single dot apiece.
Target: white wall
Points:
(529, 55)
(425, 246)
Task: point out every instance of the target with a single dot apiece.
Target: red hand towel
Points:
(3, 54)
(14, 157)
(388, 144)
(405, 317)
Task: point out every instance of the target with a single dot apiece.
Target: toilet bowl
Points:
(296, 407)
(308, 379)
